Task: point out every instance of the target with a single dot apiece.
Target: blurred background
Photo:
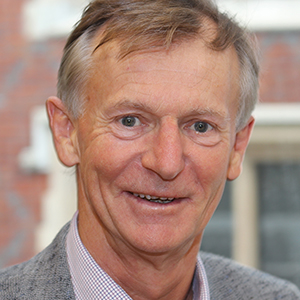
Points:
(258, 220)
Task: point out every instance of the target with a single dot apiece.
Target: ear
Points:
(63, 132)
(237, 154)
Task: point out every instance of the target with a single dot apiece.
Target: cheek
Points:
(107, 157)
(211, 176)
(212, 163)
(100, 167)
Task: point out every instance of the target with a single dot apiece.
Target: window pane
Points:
(279, 186)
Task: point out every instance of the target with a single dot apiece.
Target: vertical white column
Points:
(58, 204)
(245, 216)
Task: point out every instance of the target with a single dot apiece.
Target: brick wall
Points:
(28, 76)
(280, 79)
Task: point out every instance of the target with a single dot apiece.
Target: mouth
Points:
(154, 199)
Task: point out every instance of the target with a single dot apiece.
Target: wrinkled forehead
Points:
(115, 51)
(188, 67)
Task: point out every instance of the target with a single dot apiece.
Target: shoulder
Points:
(229, 280)
(42, 277)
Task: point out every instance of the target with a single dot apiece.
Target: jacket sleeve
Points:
(45, 276)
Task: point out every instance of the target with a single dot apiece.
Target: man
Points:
(154, 110)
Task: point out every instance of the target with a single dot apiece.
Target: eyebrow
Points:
(125, 103)
(196, 111)
(209, 111)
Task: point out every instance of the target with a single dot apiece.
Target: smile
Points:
(154, 199)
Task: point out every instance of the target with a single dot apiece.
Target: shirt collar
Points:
(91, 282)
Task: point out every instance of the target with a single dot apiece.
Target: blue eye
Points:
(201, 127)
(130, 121)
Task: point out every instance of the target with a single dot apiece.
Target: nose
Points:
(164, 156)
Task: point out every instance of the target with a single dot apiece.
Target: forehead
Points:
(186, 70)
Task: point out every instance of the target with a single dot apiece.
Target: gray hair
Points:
(144, 24)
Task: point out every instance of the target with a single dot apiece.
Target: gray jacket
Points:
(46, 276)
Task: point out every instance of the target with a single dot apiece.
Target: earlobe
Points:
(237, 155)
(63, 132)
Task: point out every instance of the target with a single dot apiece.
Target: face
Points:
(156, 144)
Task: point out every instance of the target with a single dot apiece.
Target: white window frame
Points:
(261, 15)
(44, 19)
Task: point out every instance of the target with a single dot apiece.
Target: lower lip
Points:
(146, 212)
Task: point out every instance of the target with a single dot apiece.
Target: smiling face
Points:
(155, 145)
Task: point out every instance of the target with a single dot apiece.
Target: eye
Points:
(201, 127)
(130, 121)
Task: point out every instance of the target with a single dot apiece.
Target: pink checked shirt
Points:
(90, 282)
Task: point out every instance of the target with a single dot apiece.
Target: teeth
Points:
(154, 198)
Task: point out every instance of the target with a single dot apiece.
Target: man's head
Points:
(161, 86)
(145, 25)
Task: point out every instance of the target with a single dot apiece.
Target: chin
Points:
(155, 243)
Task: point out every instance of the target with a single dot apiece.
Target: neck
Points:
(142, 275)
